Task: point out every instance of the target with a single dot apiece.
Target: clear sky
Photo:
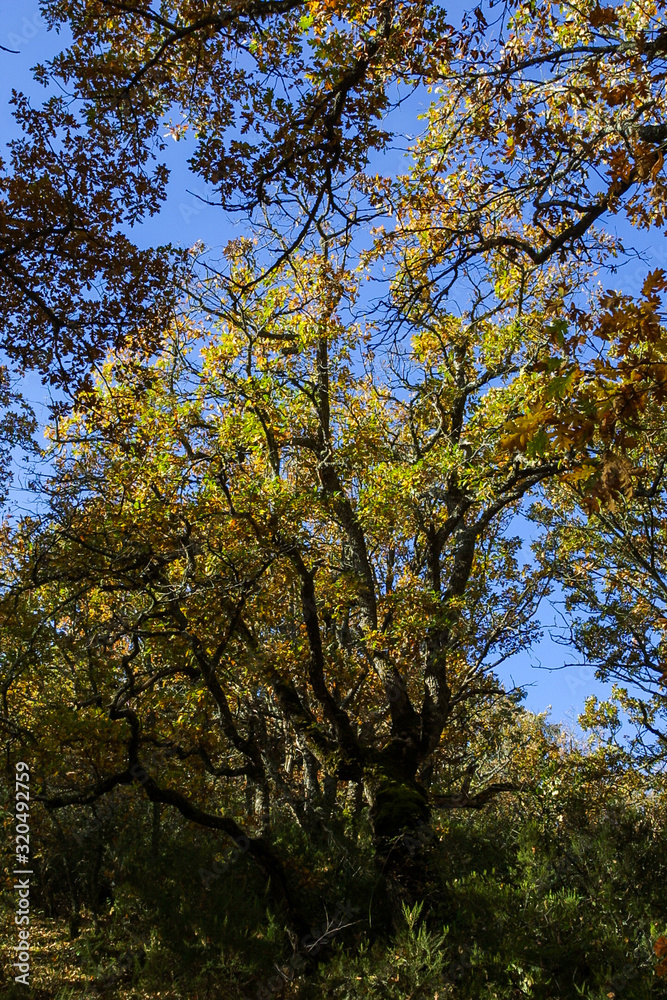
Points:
(185, 220)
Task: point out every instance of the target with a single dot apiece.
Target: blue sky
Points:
(184, 220)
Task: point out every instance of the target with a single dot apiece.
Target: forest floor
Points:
(60, 967)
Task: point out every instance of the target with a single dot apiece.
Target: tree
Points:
(544, 120)
(604, 522)
(543, 123)
(84, 171)
(270, 570)
(562, 128)
(74, 285)
(265, 563)
(281, 97)
(610, 564)
(17, 427)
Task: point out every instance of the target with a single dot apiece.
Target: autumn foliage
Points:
(260, 621)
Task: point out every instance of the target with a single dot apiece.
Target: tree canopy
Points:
(276, 565)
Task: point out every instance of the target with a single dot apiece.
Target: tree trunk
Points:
(155, 830)
(329, 790)
(400, 818)
(263, 809)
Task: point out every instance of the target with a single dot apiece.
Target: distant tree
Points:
(611, 566)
